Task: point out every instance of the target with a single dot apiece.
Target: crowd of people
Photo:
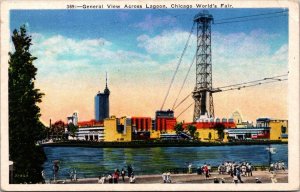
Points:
(277, 166)
(167, 177)
(116, 175)
(233, 168)
(204, 169)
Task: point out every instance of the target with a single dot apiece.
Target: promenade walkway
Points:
(264, 176)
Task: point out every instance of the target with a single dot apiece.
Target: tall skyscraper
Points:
(102, 104)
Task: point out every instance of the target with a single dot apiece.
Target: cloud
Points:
(75, 65)
(167, 43)
(150, 22)
(235, 56)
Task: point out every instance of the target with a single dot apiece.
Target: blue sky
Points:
(123, 26)
(140, 49)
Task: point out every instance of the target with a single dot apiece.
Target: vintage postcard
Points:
(149, 95)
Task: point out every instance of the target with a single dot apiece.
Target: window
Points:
(283, 129)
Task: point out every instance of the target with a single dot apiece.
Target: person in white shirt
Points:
(132, 178)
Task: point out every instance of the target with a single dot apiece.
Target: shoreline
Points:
(150, 144)
(264, 176)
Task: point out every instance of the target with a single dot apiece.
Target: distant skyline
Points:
(140, 49)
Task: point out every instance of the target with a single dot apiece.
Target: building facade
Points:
(102, 104)
(95, 133)
(117, 129)
(165, 121)
(278, 128)
(73, 119)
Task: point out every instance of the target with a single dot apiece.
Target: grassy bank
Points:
(155, 143)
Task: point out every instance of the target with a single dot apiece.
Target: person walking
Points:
(238, 174)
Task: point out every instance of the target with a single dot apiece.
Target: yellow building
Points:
(117, 129)
(207, 134)
(154, 134)
(278, 129)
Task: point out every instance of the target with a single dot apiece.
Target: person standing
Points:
(209, 169)
(164, 177)
(116, 176)
(205, 170)
(168, 177)
(190, 168)
(132, 178)
(123, 173)
(130, 170)
(55, 170)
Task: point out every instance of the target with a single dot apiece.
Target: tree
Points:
(72, 129)
(57, 129)
(220, 130)
(197, 135)
(192, 129)
(178, 128)
(25, 128)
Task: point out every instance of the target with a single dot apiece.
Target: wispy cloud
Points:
(151, 22)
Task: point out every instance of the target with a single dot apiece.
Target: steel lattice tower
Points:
(203, 88)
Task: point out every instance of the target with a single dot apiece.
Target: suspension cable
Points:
(260, 83)
(185, 110)
(184, 80)
(234, 86)
(256, 15)
(264, 79)
(178, 64)
(243, 20)
(183, 100)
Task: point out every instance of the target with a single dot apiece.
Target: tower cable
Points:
(185, 110)
(178, 64)
(266, 78)
(238, 88)
(248, 19)
(256, 15)
(241, 85)
(184, 80)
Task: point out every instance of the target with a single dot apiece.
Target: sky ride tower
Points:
(202, 93)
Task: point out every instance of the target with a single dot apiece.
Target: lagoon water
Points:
(92, 162)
